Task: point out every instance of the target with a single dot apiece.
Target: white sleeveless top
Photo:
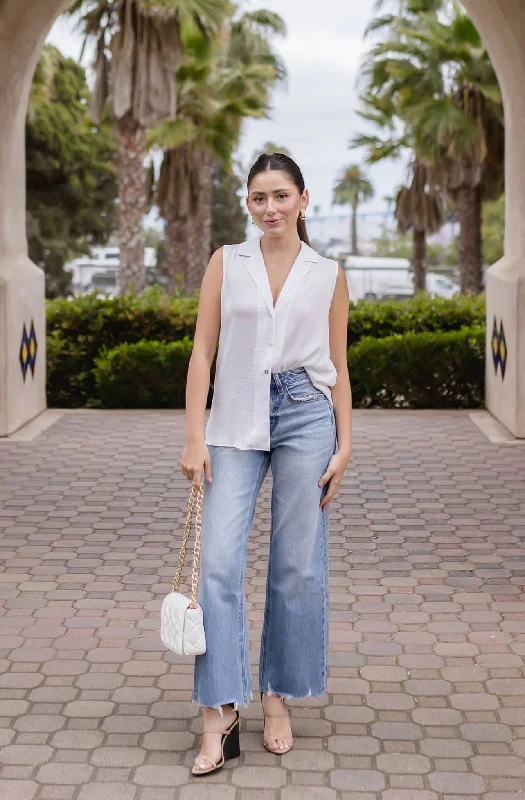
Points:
(257, 339)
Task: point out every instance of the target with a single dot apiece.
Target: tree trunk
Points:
(176, 234)
(470, 253)
(194, 249)
(420, 260)
(354, 231)
(206, 208)
(200, 226)
(132, 205)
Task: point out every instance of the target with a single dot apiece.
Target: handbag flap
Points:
(181, 628)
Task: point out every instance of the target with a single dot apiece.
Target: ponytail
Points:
(301, 230)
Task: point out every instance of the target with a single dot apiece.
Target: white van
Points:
(383, 278)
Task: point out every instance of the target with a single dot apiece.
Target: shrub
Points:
(422, 313)
(78, 329)
(419, 370)
(143, 375)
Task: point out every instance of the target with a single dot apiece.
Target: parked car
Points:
(383, 278)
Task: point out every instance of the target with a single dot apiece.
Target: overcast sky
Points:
(314, 113)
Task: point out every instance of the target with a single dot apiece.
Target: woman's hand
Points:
(334, 475)
(195, 457)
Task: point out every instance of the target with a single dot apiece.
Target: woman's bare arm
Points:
(341, 391)
(198, 378)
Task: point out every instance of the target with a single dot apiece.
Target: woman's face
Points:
(274, 202)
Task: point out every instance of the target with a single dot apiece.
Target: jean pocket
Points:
(303, 391)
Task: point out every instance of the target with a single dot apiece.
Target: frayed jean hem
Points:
(218, 706)
(269, 691)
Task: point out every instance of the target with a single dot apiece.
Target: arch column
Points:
(501, 23)
(23, 27)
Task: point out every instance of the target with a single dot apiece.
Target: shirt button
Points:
(266, 371)
(271, 344)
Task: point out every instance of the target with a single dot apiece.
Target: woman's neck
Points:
(282, 246)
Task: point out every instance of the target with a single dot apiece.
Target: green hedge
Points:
(419, 315)
(419, 370)
(143, 375)
(80, 330)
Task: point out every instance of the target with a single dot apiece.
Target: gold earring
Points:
(302, 216)
(253, 221)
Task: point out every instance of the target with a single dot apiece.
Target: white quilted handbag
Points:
(181, 623)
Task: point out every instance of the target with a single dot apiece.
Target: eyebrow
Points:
(275, 191)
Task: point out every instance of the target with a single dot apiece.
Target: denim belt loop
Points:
(278, 382)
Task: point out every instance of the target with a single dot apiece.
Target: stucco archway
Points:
(23, 27)
(501, 23)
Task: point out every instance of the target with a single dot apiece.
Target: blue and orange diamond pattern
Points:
(28, 348)
(499, 348)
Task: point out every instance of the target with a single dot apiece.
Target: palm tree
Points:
(221, 83)
(138, 49)
(352, 188)
(418, 205)
(437, 74)
(405, 11)
(420, 210)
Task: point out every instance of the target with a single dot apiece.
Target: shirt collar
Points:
(252, 247)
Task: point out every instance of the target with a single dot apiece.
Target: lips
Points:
(272, 221)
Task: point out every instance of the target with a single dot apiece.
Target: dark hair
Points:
(283, 163)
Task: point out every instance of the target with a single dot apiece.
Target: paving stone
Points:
(507, 687)
(456, 783)
(499, 765)
(25, 754)
(436, 716)
(354, 745)
(384, 674)
(112, 791)
(18, 790)
(428, 688)
(426, 676)
(389, 701)
(486, 733)
(474, 701)
(446, 748)
(13, 708)
(397, 731)
(158, 775)
(264, 777)
(308, 759)
(357, 780)
(88, 708)
(400, 763)
(464, 674)
(64, 773)
(408, 794)
(118, 757)
(300, 793)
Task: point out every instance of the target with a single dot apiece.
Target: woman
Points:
(282, 397)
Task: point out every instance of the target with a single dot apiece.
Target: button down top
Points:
(257, 339)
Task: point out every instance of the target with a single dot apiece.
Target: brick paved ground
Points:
(427, 678)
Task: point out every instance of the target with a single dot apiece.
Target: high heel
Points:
(277, 751)
(230, 747)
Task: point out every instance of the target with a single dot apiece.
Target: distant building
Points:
(99, 270)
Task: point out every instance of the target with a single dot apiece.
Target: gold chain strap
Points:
(195, 499)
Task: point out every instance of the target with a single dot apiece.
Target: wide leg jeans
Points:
(294, 640)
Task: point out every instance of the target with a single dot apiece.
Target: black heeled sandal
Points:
(230, 747)
(276, 716)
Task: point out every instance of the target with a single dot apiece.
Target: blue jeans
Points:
(294, 641)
